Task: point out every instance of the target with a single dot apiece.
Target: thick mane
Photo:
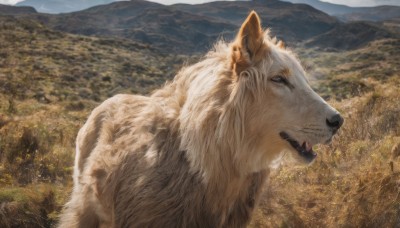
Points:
(212, 115)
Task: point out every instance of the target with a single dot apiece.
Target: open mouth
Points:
(305, 149)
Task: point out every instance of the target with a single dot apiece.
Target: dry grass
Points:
(35, 205)
(351, 184)
(49, 83)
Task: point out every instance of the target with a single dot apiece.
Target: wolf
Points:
(197, 152)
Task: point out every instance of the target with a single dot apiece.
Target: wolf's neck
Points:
(234, 200)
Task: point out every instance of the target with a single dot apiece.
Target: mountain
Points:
(292, 22)
(61, 6)
(346, 13)
(378, 13)
(393, 25)
(352, 35)
(343, 12)
(329, 8)
(145, 22)
(191, 29)
(12, 10)
(187, 28)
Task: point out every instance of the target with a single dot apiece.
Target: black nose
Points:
(335, 121)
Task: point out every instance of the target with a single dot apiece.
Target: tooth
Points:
(308, 146)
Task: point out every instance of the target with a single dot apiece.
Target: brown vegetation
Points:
(49, 82)
(352, 183)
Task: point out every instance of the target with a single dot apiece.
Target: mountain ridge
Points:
(348, 13)
(353, 34)
(60, 6)
(177, 28)
(192, 29)
(12, 10)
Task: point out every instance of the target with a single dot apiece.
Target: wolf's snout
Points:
(335, 122)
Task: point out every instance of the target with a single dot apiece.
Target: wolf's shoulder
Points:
(119, 118)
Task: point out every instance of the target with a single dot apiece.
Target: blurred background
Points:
(60, 59)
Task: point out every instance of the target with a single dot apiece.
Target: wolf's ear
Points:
(248, 43)
(281, 44)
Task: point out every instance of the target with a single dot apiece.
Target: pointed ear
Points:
(281, 44)
(248, 43)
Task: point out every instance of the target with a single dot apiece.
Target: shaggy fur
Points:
(196, 153)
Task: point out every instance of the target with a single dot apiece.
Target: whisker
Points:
(314, 129)
(311, 133)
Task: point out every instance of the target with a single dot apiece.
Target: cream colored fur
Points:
(196, 153)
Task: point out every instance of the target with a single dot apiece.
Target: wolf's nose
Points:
(335, 122)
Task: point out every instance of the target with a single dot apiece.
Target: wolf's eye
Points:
(279, 79)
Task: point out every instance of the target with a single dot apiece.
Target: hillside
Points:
(289, 21)
(393, 25)
(60, 6)
(102, 64)
(188, 28)
(146, 22)
(379, 13)
(350, 36)
(193, 29)
(327, 7)
(346, 13)
(12, 10)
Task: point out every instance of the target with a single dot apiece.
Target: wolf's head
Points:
(285, 111)
(249, 101)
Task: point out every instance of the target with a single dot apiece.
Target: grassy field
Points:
(50, 81)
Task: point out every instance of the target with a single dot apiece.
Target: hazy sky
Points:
(344, 2)
(8, 2)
